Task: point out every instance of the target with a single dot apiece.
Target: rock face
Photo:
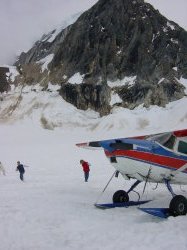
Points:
(4, 85)
(113, 40)
(86, 96)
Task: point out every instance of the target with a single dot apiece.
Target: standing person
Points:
(86, 169)
(21, 170)
(2, 169)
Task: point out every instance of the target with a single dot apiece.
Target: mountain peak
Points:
(112, 41)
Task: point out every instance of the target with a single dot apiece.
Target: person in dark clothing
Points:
(86, 169)
(21, 170)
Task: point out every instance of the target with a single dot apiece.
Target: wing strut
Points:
(106, 186)
(147, 178)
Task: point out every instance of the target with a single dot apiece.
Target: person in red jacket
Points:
(86, 169)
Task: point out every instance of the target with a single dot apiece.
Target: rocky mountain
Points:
(118, 48)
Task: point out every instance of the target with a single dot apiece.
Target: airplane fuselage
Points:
(151, 161)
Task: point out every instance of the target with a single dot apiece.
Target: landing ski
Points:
(121, 204)
(163, 213)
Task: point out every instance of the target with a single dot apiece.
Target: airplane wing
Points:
(180, 133)
(90, 145)
(105, 143)
(127, 143)
(114, 144)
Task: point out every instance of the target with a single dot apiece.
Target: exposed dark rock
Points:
(4, 85)
(87, 96)
(116, 38)
(159, 94)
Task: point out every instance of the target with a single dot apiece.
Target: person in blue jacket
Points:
(21, 170)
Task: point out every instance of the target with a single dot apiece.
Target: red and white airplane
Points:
(158, 158)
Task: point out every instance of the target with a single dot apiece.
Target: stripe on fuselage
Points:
(150, 158)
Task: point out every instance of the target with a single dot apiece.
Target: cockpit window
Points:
(170, 142)
(161, 138)
(166, 139)
(182, 147)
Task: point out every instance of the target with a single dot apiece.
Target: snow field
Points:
(54, 208)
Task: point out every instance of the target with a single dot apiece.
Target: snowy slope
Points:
(49, 110)
(54, 208)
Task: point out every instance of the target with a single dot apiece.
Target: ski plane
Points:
(157, 158)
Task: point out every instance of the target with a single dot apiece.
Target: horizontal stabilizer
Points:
(158, 212)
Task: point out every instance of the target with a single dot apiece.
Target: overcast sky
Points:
(22, 22)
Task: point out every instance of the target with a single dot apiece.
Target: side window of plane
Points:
(182, 147)
(113, 159)
(170, 142)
